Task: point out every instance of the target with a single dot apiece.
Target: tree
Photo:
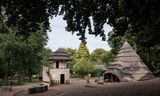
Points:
(83, 65)
(9, 47)
(101, 56)
(107, 58)
(15, 51)
(27, 15)
(80, 15)
(138, 20)
(19, 43)
(35, 52)
(115, 42)
(82, 52)
(72, 54)
(48, 52)
(96, 55)
(141, 19)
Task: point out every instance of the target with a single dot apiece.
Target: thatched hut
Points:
(58, 71)
(127, 66)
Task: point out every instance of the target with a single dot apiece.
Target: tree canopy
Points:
(96, 55)
(83, 65)
(72, 54)
(28, 54)
(29, 15)
(132, 20)
(101, 56)
(122, 15)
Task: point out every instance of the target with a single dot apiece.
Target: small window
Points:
(57, 64)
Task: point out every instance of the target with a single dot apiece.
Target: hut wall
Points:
(55, 73)
(62, 65)
(44, 74)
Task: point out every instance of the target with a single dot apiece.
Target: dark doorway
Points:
(109, 77)
(57, 64)
(62, 78)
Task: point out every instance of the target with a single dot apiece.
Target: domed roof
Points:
(59, 55)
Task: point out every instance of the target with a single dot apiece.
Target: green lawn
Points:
(15, 82)
(1, 83)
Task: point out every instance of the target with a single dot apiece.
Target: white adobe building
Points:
(57, 73)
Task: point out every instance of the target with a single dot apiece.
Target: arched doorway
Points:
(109, 77)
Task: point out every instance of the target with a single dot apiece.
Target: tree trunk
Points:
(18, 79)
(149, 59)
(49, 76)
(6, 75)
(6, 78)
(30, 78)
(30, 73)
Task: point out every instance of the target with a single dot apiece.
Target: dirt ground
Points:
(140, 88)
(77, 88)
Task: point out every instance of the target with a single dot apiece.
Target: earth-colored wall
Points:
(55, 73)
(62, 65)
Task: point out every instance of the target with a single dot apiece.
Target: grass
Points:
(34, 80)
(15, 82)
(1, 83)
(21, 82)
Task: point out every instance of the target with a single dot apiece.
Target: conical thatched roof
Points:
(127, 57)
(128, 64)
(59, 55)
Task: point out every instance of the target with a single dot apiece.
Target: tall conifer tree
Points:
(83, 65)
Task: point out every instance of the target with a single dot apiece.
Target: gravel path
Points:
(141, 88)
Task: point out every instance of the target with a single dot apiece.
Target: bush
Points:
(1, 83)
(75, 75)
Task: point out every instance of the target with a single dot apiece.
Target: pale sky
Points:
(59, 38)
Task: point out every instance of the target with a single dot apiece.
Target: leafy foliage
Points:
(72, 55)
(96, 55)
(28, 15)
(81, 15)
(134, 21)
(9, 51)
(83, 65)
(27, 54)
(107, 58)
